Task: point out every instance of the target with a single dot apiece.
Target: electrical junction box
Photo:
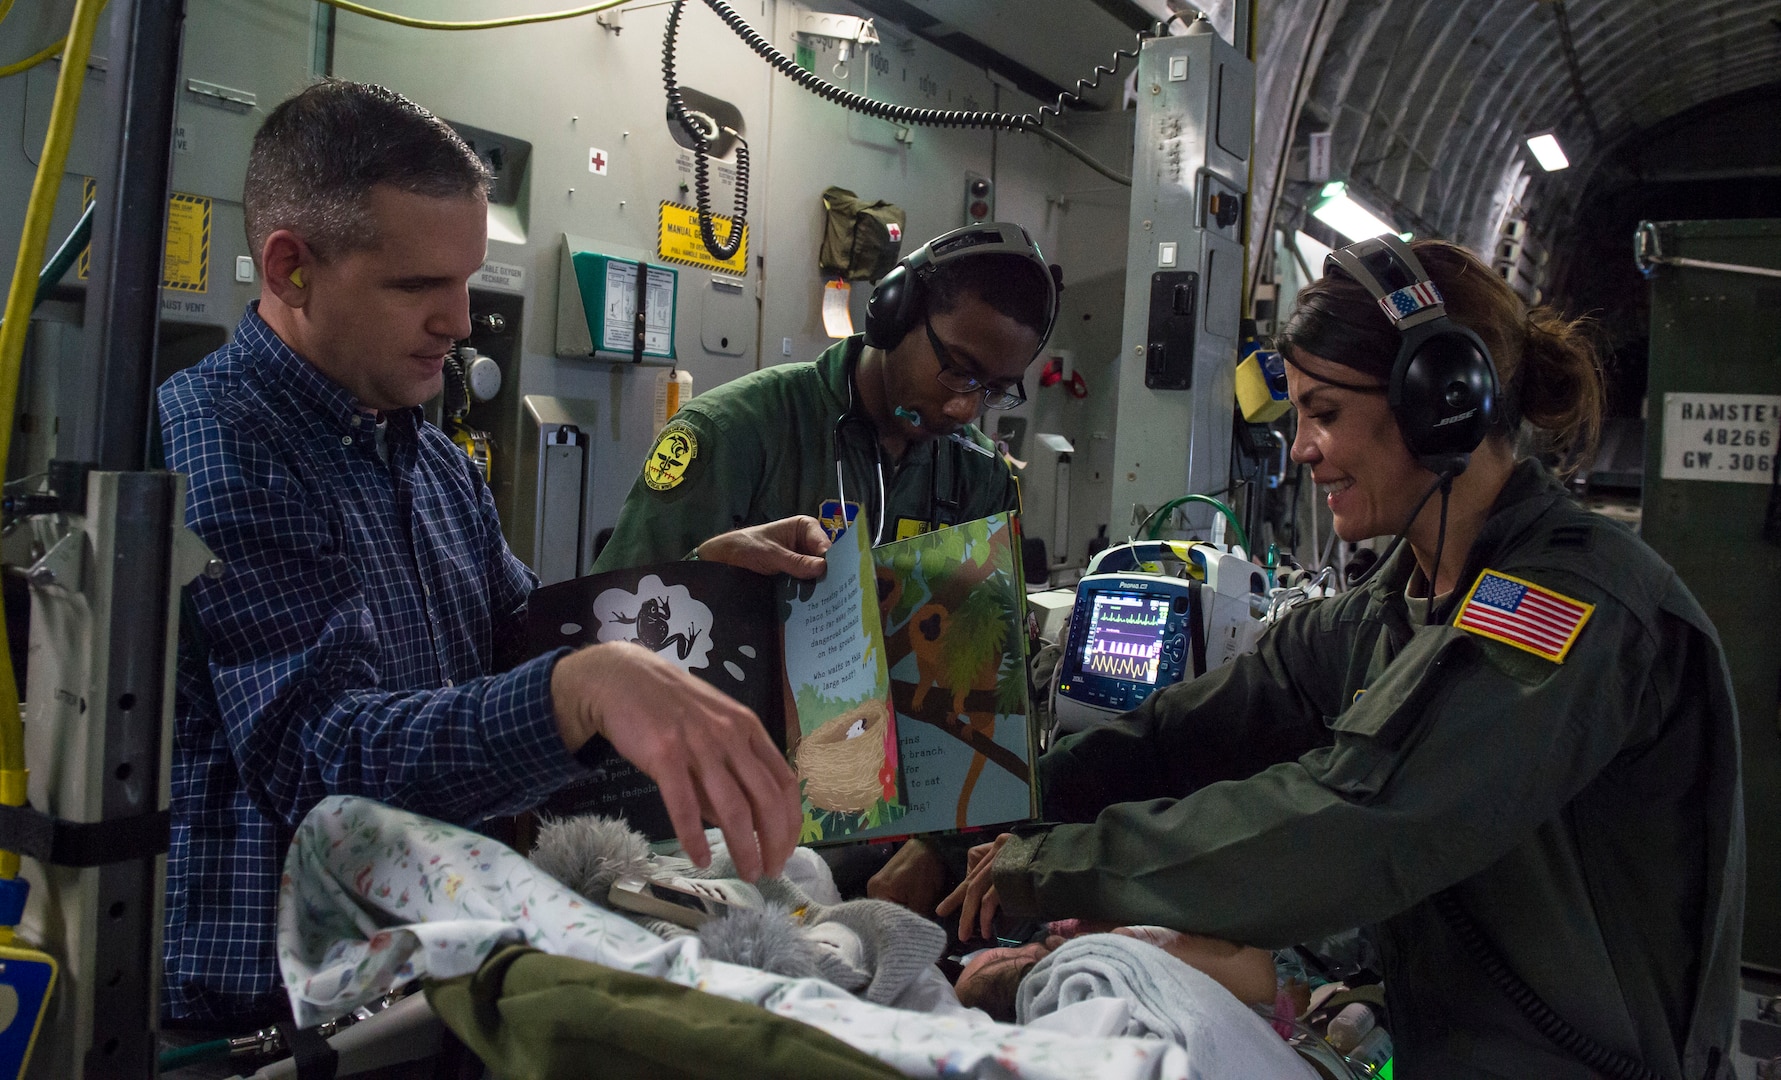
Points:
(1175, 391)
(598, 300)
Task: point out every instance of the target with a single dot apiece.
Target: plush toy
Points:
(868, 947)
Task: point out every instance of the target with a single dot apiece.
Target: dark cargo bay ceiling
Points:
(1427, 101)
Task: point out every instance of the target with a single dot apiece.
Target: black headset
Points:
(1443, 390)
(900, 298)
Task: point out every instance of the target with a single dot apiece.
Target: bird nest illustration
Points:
(841, 773)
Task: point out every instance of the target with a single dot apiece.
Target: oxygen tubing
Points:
(20, 298)
(1161, 514)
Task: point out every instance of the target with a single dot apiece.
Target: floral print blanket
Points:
(373, 898)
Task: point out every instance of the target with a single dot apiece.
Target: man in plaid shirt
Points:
(361, 637)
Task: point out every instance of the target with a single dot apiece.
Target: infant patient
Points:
(992, 979)
(797, 925)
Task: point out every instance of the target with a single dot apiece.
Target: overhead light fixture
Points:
(1547, 152)
(1313, 251)
(1340, 212)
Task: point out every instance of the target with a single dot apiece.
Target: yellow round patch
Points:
(668, 462)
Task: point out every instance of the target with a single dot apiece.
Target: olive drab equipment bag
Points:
(861, 240)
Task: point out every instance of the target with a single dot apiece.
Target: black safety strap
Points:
(1196, 626)
(28, 831)
(640, 318)
(945, 512)
(310, 1053)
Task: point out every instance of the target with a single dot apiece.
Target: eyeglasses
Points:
(949, 376)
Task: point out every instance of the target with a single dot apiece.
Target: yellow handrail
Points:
(19, 301)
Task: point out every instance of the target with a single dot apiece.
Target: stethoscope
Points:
(877, 462)
(937, 506)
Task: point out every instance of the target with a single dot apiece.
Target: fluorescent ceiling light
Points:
(1547, 152)
(1346, 216)
(1312, 250)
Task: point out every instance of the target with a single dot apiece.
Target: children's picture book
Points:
(895, 683)
(840, 727)
(954, 612)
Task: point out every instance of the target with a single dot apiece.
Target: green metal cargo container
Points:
(1710, 484)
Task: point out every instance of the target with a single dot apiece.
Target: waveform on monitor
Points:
(1133, 620)
(1118, 667)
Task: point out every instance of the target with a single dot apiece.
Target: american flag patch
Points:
(1522, 614)
(1409, 300)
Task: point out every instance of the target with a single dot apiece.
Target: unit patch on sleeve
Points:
(668, 462)
(1524, 615)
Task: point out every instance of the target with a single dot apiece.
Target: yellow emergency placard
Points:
(186, 265)
(678, 240)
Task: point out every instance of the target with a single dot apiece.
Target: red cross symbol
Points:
(596, 162)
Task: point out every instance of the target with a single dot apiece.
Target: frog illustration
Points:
(651, 622)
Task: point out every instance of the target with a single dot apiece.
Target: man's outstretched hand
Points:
(709, 754)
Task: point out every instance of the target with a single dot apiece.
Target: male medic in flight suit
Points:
(880, 424)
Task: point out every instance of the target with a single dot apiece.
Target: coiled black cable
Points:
(884, 110)
(1528, 1002)
(899, 114)
(1068, 98)
(702, 153)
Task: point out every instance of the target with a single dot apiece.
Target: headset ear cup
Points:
(886, 322)
(1443, 395)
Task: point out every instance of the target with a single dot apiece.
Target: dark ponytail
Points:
(1558, 385)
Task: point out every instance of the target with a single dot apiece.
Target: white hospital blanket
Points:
(373, 898)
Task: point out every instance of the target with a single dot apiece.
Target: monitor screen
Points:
(1125, 636)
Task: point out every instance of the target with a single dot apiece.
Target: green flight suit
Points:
(764, 448)
(1587, 814)
(529, 1014)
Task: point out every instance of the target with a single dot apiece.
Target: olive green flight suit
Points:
(1586, 814)
(763, 448)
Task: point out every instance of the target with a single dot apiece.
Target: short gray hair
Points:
(319, 154)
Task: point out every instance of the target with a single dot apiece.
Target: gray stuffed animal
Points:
(868, 947)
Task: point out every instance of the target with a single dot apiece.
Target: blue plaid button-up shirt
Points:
(349, 647)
